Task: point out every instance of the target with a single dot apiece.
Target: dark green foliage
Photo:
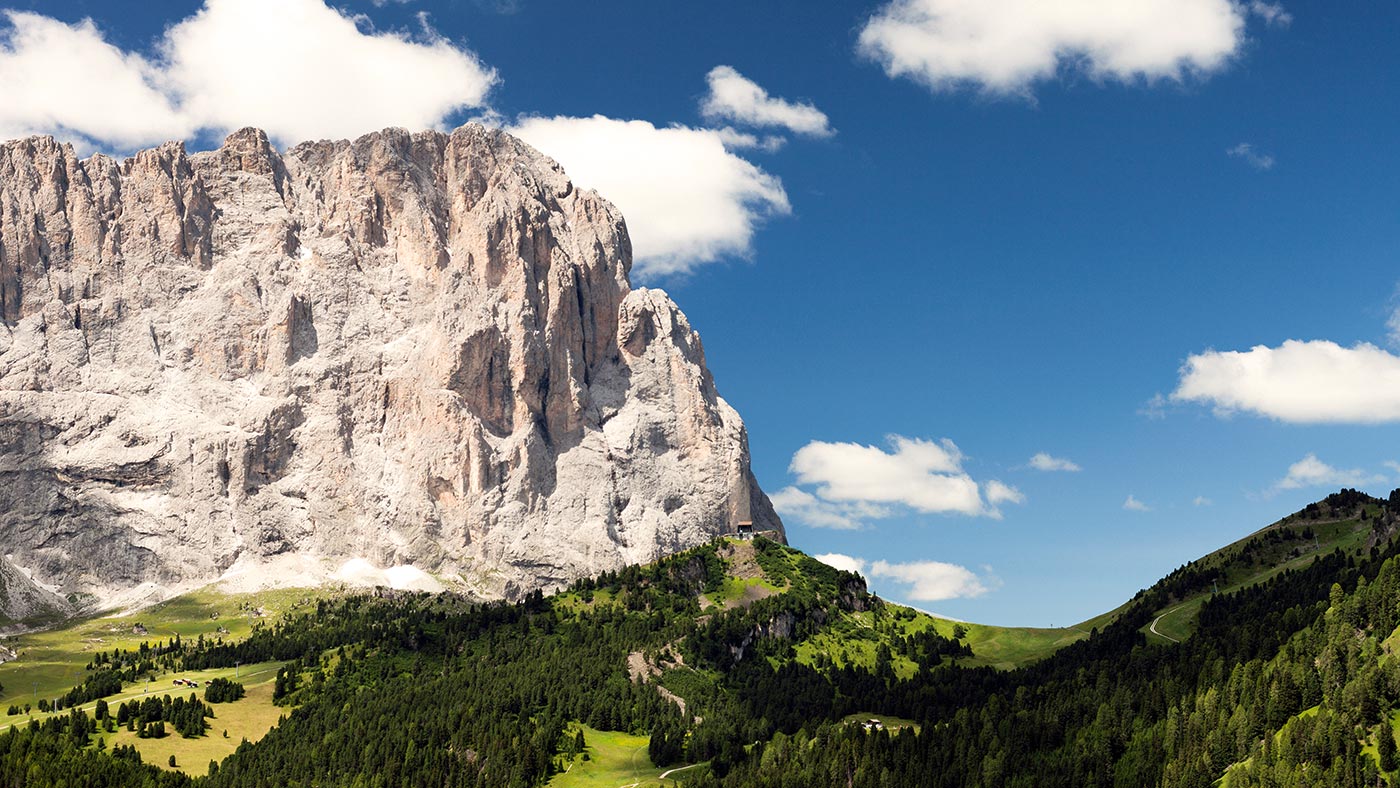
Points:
(188, 716)
(1385, 748)
(55, 754)
(224, 691)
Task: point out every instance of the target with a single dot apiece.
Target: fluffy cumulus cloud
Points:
(923, 581)
(297, 68)
(1315, 382)
(931, 581)
(1132, 504)
(301, 70)
(845, 563)
(738, 99)
(1312, 472)
(855, 483)
(1046, 462)
(1005, 46)
(68, 81)
(687, 199)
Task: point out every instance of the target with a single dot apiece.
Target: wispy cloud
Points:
(1252, 156)
(1047, 462)
(1201, 500)
(1132, 504)
(735, 98)
(1273, 14)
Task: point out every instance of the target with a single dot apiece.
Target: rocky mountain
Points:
(414, 354)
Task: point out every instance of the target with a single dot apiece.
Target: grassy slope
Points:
(614, 759)
(54, 661)
(1177, 620)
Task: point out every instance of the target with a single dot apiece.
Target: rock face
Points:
(411, 349)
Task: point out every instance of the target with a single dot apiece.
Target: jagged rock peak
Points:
(407, 350)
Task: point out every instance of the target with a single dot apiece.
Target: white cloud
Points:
(931, 581)
(1273, 14)
(687, 200)
(68, 81)
(1393, 465)
(1255, 158)
(1155, 408)
(1201, 500)
(1046, 462)
(924, 475)
(301, 70)
(1000, 493)
(1004, 46)
(741, 140)
(845, 563)
(794, 503)
(736, 98)
(297, 68)
(1134, 505)
(1392, 325)
(927, 581)
(1301, 382)
(1312, 472)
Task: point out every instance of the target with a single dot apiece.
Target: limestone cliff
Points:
(411, 349)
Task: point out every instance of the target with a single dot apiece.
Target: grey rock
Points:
(411, 349)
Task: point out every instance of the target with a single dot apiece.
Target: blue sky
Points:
(1019, 245)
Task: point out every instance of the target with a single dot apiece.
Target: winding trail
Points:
(1153, 628)
(667, 774)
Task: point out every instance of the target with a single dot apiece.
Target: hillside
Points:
(748, 663)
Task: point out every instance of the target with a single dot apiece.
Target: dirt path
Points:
(1153, 628)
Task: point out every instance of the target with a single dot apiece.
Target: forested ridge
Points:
(1287, 682)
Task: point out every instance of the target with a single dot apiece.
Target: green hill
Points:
(748, 663)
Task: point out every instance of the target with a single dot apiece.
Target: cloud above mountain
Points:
(853, 483)
(687, 198)
(296, 68)
(922, 581)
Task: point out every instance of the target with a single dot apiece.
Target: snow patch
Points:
(360, 572)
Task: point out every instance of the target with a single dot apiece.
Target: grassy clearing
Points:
(738, 591)
(614, 759)
(854, 639)
(1005, 648)
(250, 718)
(892, 724)
(54, 661)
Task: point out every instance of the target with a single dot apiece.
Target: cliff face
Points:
(412, 349)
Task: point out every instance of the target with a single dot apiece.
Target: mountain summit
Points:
(417, 355)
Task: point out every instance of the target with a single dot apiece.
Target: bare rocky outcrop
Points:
(413, 349)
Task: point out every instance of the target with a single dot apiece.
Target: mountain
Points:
(410, 358)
